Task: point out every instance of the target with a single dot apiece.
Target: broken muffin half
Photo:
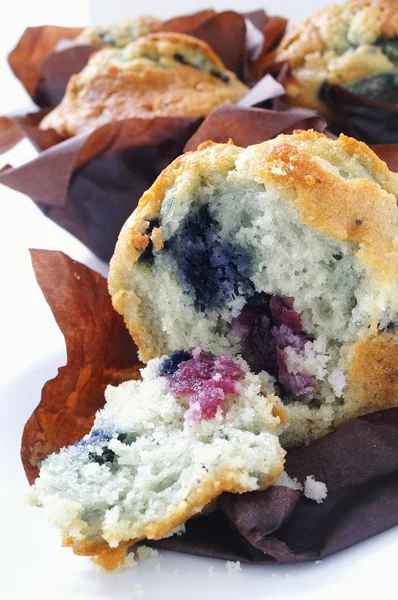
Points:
(284, 253)
(160, 451)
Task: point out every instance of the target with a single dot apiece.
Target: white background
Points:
(105, 11)
(32, 562)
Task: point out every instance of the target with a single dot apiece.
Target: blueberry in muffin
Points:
(160, 451)
(285, 253)
(119, 34)
(354, 45)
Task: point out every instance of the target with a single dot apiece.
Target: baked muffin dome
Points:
(284, 252)
(160, 451)
(354, 45)
(119, 34)
(164, 74)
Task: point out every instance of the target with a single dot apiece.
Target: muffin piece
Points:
(285, 252)
(164, 74)
(119, 34)
(354, 45)
(160, 451)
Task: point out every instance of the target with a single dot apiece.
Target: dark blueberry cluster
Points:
(106, 38)
(266, 326)
(107, 456)
(179, 58)
(127, 438)
(170, 364)
(259, 300)
(389, 46)
(147, 255)
(392, 325)
(220, 75)
(379, 87)
(383, 86)
(215, 269)
(96, 437)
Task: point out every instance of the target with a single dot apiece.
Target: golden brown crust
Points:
(373, 372)
(147, 82)
(113, 558)
(121, 34)
(335, 45)
(133, 239)
(339, 187)
(365, 214)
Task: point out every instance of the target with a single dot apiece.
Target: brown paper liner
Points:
(35, 45)
(247, 126)
(368, 120)
(90, 184)
(57, 69)
(225, 33)
(358, 462)
(99, 352)
(10, 133)
(274, 29)
(388, 153)
(27, 125)
(45, 72)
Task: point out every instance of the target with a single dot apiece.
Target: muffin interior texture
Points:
(240, 271)
(240, 274)
(162, 448)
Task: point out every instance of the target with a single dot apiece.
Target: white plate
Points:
(33, 562)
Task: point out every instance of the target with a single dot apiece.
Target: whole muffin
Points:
(354, 45)
(286, 253)
(119, 34)
(160, 451)
(161, 75)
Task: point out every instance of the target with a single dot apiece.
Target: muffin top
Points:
(354, 45)
(157, 51)
(163, 74)
(119, 34)
(335, 185)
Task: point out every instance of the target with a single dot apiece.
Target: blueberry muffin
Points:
(354, 46)
(161, 75)
(160, 451)
(119, 34)
(285, 253)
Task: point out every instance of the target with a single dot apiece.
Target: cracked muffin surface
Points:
(163, 74)
(119, 34)
(354, 45)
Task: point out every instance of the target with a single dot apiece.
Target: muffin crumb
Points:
(233, 567)
(315, 490)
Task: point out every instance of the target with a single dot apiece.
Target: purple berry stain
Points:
(265, 330)
(205, 379)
